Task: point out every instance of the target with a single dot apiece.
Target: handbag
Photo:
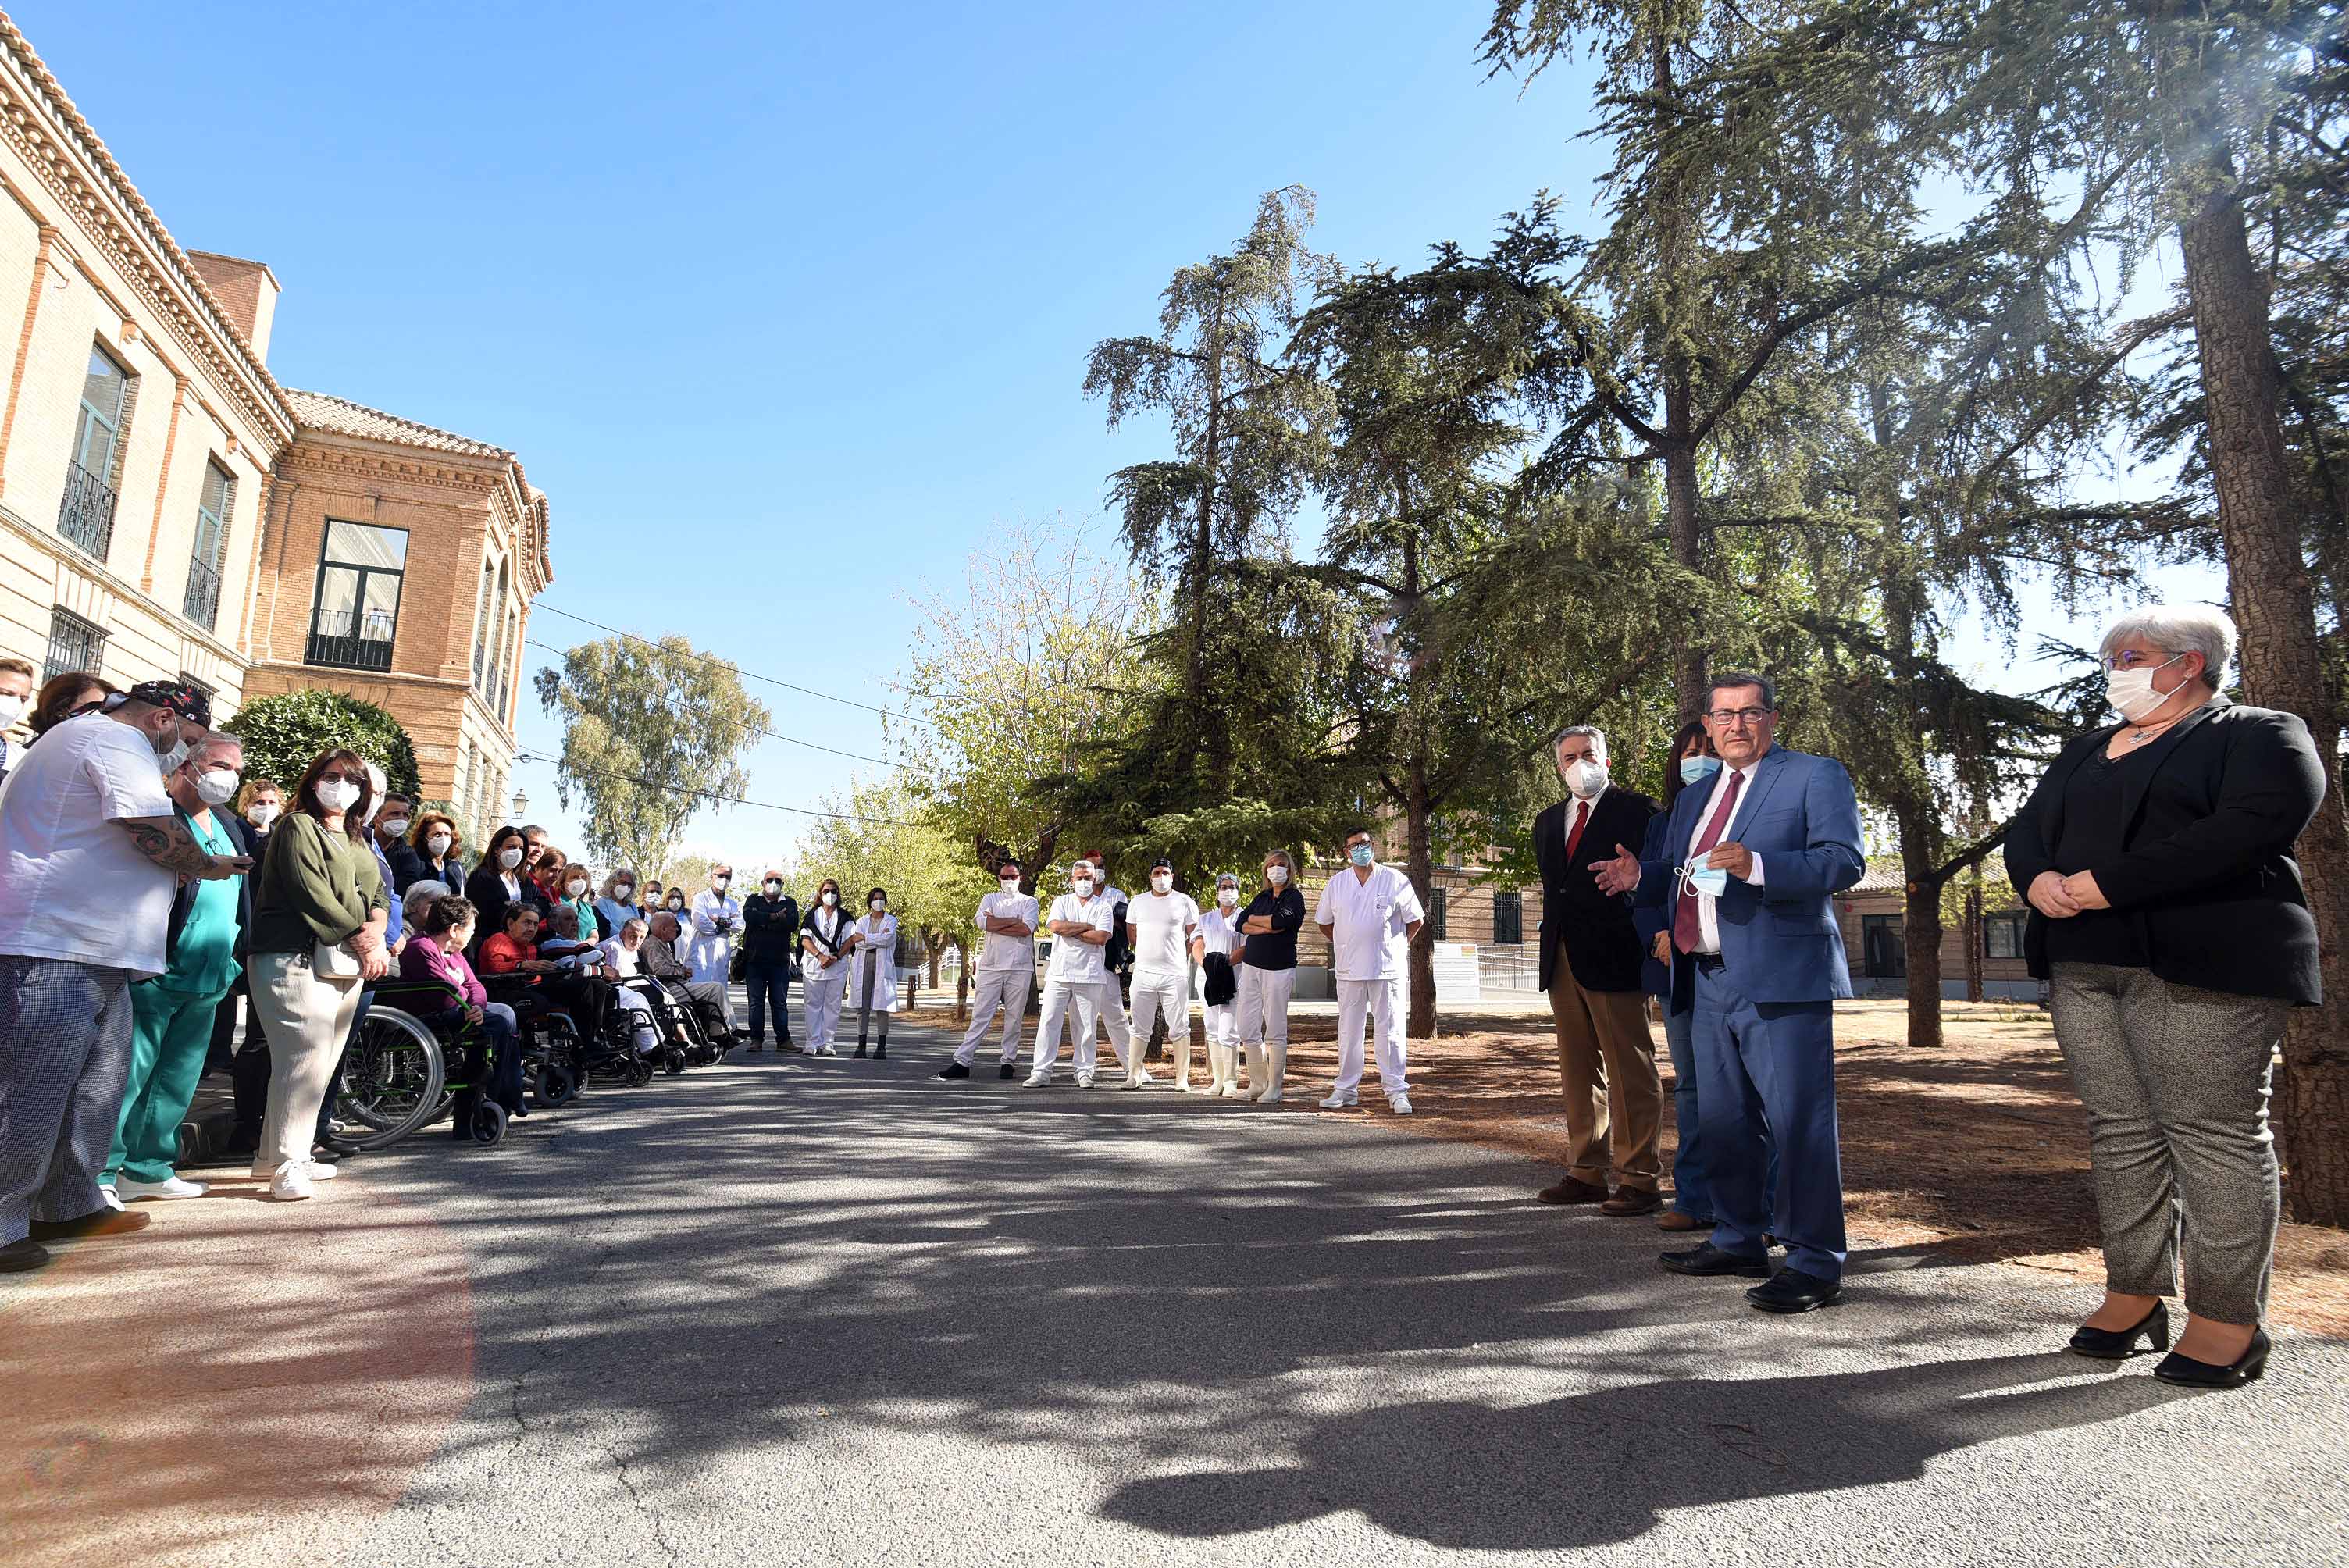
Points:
(333, 961)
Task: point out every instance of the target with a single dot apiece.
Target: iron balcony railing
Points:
(350, 640)
(85, 516)
(202, 604)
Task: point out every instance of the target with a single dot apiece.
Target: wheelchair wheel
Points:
(673, 1060)
(393, 1080)
(557, 1084)
(488, 1122)
(641, 1072)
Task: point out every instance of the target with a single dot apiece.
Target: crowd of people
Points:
(147, 885)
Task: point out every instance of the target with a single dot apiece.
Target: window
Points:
(2003, 935)
(209, 560)
(1882, 950)
(506, 664)
(85, 515)
(484, 614)
(74, 644)
(1435, 913)
(359, 596)
(1508, 919)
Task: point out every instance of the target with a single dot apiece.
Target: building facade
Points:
(168, 509)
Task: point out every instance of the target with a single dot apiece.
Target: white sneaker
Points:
(1232, 1091)
(1341, 1100)
(1085, 1082)
(1142, 1077)
(825, 1051)
(129, 1191)
(291, 1182)
(1131, 1083)
(320, 1170)
(1039, 1081)
(112, 1197)
(1400, 1104)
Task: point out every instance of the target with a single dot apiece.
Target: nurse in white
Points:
(1219, 932)
(1368, 913)
(716, 919)
(873, 970)
(1162, 926)
(1006, 971)
(824, 969)
(1081, 922)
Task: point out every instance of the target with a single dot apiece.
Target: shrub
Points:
(283, 735)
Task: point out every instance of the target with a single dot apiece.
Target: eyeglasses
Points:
(2130, 659)
(337, 779)
(1731, 715)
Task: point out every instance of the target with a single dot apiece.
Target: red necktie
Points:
(1574, 836)
(1687, 929)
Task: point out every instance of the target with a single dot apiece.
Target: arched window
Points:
(482, 610)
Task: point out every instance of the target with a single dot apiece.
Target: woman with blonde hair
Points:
(1268, 974)
(616, 900)
(431, 852)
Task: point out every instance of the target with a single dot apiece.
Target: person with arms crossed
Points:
(1081, 922)
(91, 849)
(1369, 914)
(1267, 976)
(1007, 971)
(1759, 856)
(823, 978)
(1590, 968)
(1162, 928)
(770, 929)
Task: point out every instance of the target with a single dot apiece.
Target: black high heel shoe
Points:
(2186, 1372)
(2119, 1345)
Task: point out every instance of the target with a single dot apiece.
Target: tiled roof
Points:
(341, 417)
(1882, 876)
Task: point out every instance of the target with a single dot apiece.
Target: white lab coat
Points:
(879, 936)
(710, 951)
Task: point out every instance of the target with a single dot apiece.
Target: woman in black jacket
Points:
(1266, 973)
(496, 883)
(432, 851)
(2168, 921)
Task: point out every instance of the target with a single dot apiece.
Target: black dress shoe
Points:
(1707, 1260)
(2120, 1343)
(1007, 1072)
(1792, 1290)
(2189, 1373)
(106, 1221)
(881, 1052)
(954, 1070)
(23, 1256)
(334, 1148)
(860, 1051)
(755, 1046)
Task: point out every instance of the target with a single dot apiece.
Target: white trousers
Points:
(1157, 996)
(1382, 1000)
(1224, 1023)
(1060, 998)
(1001, 991)
(1263, 1004)
(640, 1017)
(823, 999)
(1087, 1002)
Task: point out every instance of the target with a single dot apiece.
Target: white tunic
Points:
(1076, 962)
(1001, 952)
(880, 935)
(1369, 920)
(709, 950)
(832, 924)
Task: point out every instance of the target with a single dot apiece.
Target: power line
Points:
(709, 794)
(770, 680)
(770, 734)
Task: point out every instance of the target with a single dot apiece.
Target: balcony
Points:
(85, 516)
(349, 640)
(203, 603)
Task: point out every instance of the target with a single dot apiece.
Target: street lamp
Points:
(520, 805)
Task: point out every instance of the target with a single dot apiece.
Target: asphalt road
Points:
(797, 1312)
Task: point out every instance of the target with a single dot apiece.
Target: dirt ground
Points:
(1977, 1151)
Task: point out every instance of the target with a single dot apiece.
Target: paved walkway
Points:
(789, 1311)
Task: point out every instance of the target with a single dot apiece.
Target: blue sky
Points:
(785, 307)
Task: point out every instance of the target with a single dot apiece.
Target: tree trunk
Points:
(1203, 537)
(1920, 941)
(2269, 591)
(1918, 813)
(1691, 658)
(1419, 850)
(1974, 934)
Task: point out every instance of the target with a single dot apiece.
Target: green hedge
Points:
(283, 735)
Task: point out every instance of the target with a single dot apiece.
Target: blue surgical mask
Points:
(1697, 769)
(1710, 881)
(1360, 854)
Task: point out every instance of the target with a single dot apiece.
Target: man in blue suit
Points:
(1757, 862)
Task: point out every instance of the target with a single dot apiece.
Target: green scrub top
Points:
(205, 959)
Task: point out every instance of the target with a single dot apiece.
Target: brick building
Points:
(168, 509)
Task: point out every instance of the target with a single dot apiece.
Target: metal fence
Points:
(85, 515)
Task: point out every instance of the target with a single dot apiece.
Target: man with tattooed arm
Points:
(92, 852)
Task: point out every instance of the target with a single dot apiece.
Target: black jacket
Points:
(1602, 949)
(411, 865)
(2205, 866)
(183, 898)
(770, 929)
(487, 894)
(1277, 948)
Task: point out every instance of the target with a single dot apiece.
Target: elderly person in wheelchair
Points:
(434, 969)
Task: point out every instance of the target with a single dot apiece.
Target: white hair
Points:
(418, 899)
(2178, 629)
(1597, 738)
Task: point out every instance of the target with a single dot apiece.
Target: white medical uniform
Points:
(1162, 926)
(1078, 972)
(1371, 920)
(821, 989)
(1007, 973)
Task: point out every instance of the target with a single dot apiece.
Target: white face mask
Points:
(12, 709)
(437, 844)
(217, 786)
(578, 890)
(830, 898)
(510, 858)
(1276, 876)
(396, 826)
(168, 761)
(338, 796)
(1228, 896)
(773, 888)
(878, 905)
(1584, 778)
(622, 889)
(1008, 884)
(261, 816)
(720, 883)
(2131, 692)
(1083, 886)
(1161, 882)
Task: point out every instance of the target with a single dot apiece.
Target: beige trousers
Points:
(307, 1021)
(1614, 1096)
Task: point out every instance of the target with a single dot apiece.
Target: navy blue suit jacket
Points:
(1780, 941)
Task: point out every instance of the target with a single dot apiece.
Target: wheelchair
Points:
(557, 1059)
(401, 1075)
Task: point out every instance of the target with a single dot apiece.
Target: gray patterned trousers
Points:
(65, 1062)
(2175, 1080)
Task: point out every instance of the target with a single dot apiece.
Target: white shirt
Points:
(1001, 952)
(1162, 924)
(615, 952)
(72, 885)
(1708, 917)
(1371, 920)
(1221, 931)
(1076, 962)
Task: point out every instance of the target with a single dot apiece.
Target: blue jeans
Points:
(769, 984)
(1691, 1194)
